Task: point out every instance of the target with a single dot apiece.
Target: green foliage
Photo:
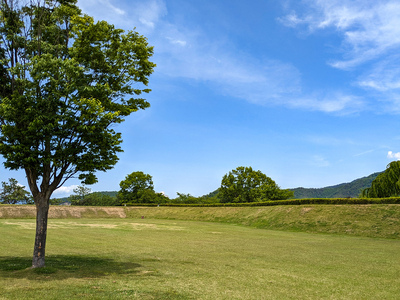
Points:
(84, 197)
(307, 201)
(65, 80)
(386, 184)
(350, 189)
(189, 199)
(79, 195)
(13, 193)
(56, 201)
(150, 196)
(138, 187)
(97, 199)
(246, 185)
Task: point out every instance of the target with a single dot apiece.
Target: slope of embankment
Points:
(376, 220)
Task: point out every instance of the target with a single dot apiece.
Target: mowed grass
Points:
(170, 259)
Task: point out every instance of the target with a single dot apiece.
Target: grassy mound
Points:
(377, 220)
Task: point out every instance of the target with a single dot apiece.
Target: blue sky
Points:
(308, 91)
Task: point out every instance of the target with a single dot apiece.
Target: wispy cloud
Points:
(233, 74)
(185, 51)
(190, 53)
(177, 42)
(103, 9)
(383, 76)
(368, 28)
(329, 141)
(149, 12)
(335, 102)
(143, 14)
(107, 4)
(320, 161)
(364, 153)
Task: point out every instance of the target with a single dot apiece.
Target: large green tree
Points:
(64, 81)
(247, 185)
(386, 184)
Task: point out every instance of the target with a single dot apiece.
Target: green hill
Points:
(343, 190)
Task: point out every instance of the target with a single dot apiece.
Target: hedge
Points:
(391, 200)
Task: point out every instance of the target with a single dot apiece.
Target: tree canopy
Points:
(246, 185)
(386, 184)
(13, 193)
(64, 81)
(138, 187)
(80, 192)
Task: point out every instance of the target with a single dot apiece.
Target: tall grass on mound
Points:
(162, 259)
(382, 221)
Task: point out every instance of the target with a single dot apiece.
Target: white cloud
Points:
(393, 155)
(292, 20)
(176, 41)
(65, 190)
(368, 28)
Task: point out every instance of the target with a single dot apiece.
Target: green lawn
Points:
(169, 259)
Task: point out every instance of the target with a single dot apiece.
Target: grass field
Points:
(171, 259)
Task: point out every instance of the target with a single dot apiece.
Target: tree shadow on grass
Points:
(65, 266)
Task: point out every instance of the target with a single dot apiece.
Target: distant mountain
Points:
(111, 194)
(343, 190)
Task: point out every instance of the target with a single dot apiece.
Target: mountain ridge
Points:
(351, 189)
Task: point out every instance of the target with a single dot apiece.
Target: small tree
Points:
(64, 81)
(386, 184)
(79, 195)
(13, 193)
(246, 185)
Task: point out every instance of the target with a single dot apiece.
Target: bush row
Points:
(391, 200)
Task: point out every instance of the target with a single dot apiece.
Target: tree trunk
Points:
(42, 211)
